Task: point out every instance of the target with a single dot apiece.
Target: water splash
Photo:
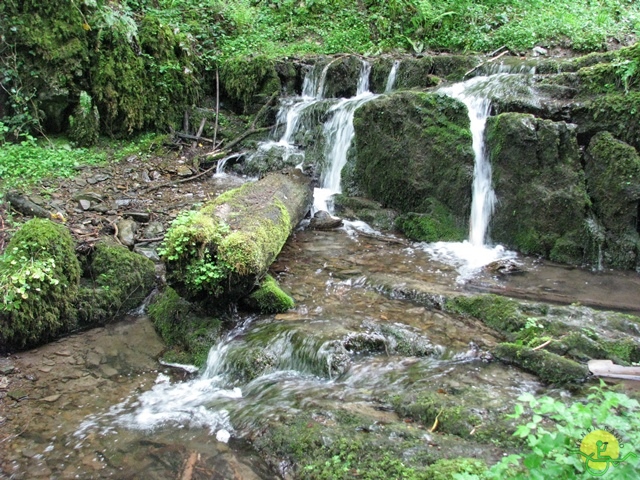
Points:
(391, 79)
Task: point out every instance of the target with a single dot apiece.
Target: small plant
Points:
(554, 434)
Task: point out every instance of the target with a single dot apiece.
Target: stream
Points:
(365, 330)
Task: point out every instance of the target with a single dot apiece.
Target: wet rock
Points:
(63, 353)
(142, 217)
(93, 359)
(108, 371)
(153, 230)
(323, 220)
(6, 367)
(148, 252)
(4, 383)
(52, 398)
(17, 395)
(127, 229)
(503, 267)
(88, 195)
(101, 177)
(539, 185)
(184, 171)
(123, 202)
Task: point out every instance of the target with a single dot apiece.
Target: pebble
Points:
(51, 398)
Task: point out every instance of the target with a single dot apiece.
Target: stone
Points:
(148, 252)
(142, 217)
(17, 395)
(101, 177)
(184, 171)
(108, 371)
(51, 398)
(153, 230)
(93, 359)
(63, 353)
(88, 195)
(122, 202)
(127, 229)
(323, 220)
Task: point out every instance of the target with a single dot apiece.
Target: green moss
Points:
(46, 309)
(246, 364)
(84, 124)
(355, 208)
(437, 224)
(270, 298)
(539, 182)
(446, 468)
(116, 281)
(410, 146)
(244, 77)
(613, 181)
(425, 407)
(500, 313)
(549, 367)
(183, 328)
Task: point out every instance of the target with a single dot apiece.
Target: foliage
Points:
(39, 275)
(29, 161)
(84, 124)
(553, 433)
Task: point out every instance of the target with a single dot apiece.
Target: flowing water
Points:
(365, 329)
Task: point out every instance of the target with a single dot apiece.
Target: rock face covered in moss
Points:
(270, 298)
(226, 247)
(413, 148)
(612, 169)
(49, 296)
(42, 253)
(539, 184)
(120, 281)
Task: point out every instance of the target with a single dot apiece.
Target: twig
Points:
(244, 135)
(262, 110)
(188, 136)
(496, 51)
(204, 172)
(187, 472)
(485, 62)
(200, 129)
(215, 128)
(543, 345)
(115, 235)
(16, 435)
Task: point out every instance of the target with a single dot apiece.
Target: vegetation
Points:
(554, 432)
(270, 298)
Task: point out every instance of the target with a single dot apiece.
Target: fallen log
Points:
(224, 249)
(25, 206)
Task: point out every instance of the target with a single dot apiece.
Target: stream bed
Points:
(99, 405)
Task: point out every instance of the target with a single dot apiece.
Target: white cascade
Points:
(476, 93)
(391, 79)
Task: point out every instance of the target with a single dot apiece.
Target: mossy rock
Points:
(269, 298)
(246, 364)
(184, 328)
(249, 81)
(410, 146)
(539, 185)
(357, 208)
(616, 113)
(436, 225)
(549, 367)
(613, 181)
(42, 255)
(500, 313)
(342, 77)
(116, 281)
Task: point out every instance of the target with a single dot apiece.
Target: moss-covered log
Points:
(225, 248)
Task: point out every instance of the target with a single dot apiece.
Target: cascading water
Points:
(476, 94)
(338, 132)
(391, 80)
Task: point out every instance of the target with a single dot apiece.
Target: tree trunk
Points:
(224, 249)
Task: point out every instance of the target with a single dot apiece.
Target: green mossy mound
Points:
(269, 298)
(436, 225)
(500, 313)
(412, 146)
(41, 255)
(342, 77)
(116, 280)
(612, 169)
(249, 81)
(539, 184)
(187, 332)
(549, 367)
(224, 249)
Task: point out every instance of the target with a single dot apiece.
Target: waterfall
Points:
(392, 77)
(483, 196)
(476, 93)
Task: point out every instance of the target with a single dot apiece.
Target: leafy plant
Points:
(553, 433)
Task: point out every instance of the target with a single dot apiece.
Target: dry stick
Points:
(215, 128)
(487, 61)
(496, 51)
(187, 473)
(200, 129)
(193, 177)
(241, 137)
(543, 345)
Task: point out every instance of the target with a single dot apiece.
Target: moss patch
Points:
(500, 313)
(539, 184)
(438, 224)
(410, 146)
(549, 367)
(269, 297)
(46, 309)
(116, 281)
(189, 333)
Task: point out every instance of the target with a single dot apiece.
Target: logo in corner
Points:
(600, 450)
